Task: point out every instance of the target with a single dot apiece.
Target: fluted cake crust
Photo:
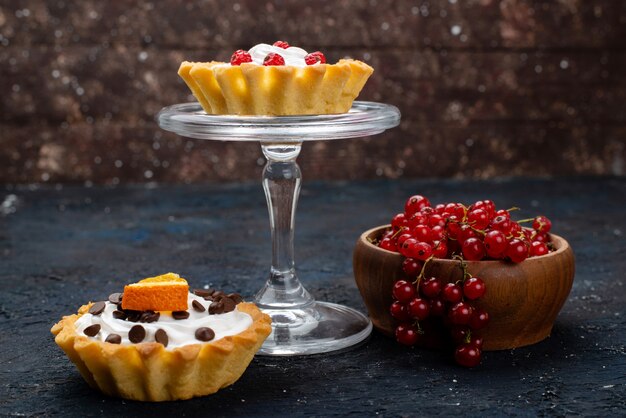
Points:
(150, 372)
(250, 89)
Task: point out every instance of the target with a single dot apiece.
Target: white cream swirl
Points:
(293, 55)
(180, 332)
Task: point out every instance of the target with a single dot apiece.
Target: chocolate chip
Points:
(149, 316)
(119, 315)
(205, 334)
(236, 297)
(136, 334)
(113, 339)
(203, 292)
(133, 316)
(92, 330)
(115, 298)
(198, 306)
(180, 314)
(97, 308)
(229, 304)
(216, 308)
(161, 337)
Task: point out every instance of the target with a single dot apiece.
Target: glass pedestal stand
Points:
(300, 324)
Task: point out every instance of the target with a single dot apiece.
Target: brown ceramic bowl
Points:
(522, 299)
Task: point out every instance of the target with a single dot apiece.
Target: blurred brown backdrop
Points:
(486, 88)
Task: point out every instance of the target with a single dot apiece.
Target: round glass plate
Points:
(363, 119)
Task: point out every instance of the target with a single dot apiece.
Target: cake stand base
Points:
(318, 328)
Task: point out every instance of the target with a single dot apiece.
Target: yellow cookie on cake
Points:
(149, 352)
(275, 80)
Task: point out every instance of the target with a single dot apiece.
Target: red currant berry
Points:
(273, 59)
(436, 220)
(487, 205)
(419, 308)
(517, 251)
(315, 58)
(399, 311)
(415, 204)
(476, 341)
(403, 237)
(478, 218)
(281, 44)
(456, 209)
(437, 233)
(421, 233)
(399, 221)
(541, 237)
(437, 307)
(460, 313)
(420, 250)
(407, 334)
(388, 244)
(440, 249)
(459, 333)
(453, 227)
(474, 288)
(490, 208)
(440, 208)
(403, 291)
(515, 229)
(502, 223)
(407, 247)
(479, 319)
(538, 248)
(411, 267)
(473, 249)
(542, 224)
(467, 355)
(417, 219)
(452, 293)
(495, 243)
(239, 57)
(431, 287)
(503, 212)
(465, 233)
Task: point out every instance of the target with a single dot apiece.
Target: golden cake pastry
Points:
(161, 355)
(275, 80)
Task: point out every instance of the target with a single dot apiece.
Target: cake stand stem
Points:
(300, 324)
(281, 182)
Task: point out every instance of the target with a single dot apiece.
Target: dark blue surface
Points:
(61, 248)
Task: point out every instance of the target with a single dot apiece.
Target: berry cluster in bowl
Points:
(464, 233)
(242, 56)
(477, 232)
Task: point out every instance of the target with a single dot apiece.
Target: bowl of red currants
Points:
(469, 278)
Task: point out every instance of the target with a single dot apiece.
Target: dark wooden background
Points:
(487, 88)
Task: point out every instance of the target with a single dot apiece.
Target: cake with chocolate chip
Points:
(158, 341)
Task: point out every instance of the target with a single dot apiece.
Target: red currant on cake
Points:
(273, 59)
(239, 57)
(315, 58)
(281, 44)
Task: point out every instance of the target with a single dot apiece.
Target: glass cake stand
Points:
(300, 324)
